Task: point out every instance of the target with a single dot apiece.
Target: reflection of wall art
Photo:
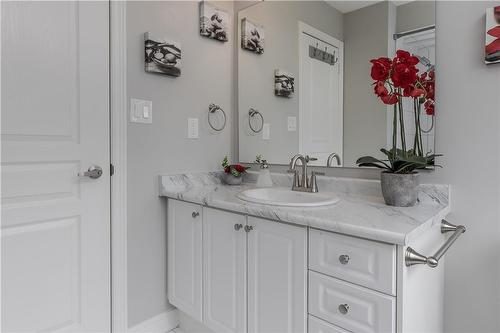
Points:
(214, 22)
(492, 49)
(252, 36)
(283, 84)
(162, 56)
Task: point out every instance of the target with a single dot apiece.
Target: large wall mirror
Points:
(305, 83)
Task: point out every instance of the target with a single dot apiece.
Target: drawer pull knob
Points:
(344, 308)
(238, 226)
(344, 259)
(195, 215)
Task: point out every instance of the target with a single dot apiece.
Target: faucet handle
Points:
(309, 158)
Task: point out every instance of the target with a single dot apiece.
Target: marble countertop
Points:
(361, 211)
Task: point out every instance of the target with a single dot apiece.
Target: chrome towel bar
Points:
(412, 257)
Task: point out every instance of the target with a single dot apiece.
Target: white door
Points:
(277, 277)
(55, 123)
(184, 257)
(224, 269)
(321, 96)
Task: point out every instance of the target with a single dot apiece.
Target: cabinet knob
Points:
(248, 228)
(344, 308)
(195, 215)
(344, 259)
(238, 226)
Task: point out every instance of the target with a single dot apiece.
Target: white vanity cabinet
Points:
(224, 271)
(236, 273)
(241, 274)
(185, 257)
(277, 277)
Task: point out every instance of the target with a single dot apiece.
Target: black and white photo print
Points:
(161, 55)
(283, 84)
(214, 22)
(252, 36)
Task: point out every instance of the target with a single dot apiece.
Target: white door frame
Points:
(118, 107)
(315, 33)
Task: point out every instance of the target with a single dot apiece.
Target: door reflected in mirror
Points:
(313, 85)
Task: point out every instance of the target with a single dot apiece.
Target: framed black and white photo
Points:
(162, 56)
(284, 84)
(252, 36)
(214, 22)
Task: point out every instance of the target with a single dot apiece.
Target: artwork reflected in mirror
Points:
(335, 105)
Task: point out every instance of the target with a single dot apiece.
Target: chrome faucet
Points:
(304, 183)
(331, 157)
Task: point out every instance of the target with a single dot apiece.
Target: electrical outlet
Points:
(292, 124)
(192, 128)
(266, 131)
(141, 111)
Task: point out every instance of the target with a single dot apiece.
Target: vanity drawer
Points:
(316, 325)
(367, 263)
(351, 307)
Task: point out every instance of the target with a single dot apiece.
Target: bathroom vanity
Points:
(238, 266)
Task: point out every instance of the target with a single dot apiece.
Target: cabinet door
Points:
(184, 257)
(224, 268)
(277, 272)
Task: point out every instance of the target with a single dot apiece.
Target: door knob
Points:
(93, 172)
(344, 308)
(238, 226)
(248, 228)
(344, 259)
(195, 215)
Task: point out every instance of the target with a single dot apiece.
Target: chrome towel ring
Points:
(212, 108)
(251, 113)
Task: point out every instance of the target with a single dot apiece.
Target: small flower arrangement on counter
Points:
(233, 173)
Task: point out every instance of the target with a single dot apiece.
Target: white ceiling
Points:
(347, 6)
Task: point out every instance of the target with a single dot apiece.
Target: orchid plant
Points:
(396, 79)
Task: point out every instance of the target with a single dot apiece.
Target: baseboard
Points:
(161, 323)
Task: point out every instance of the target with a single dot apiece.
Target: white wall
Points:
(467, 132)
(162, 147)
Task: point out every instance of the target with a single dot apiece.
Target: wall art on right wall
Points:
(252, 36)
(492, 49)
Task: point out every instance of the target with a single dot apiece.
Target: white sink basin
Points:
(280, 196)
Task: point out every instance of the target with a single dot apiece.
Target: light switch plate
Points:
(266, 131)
(292, 124)
(192, 130)
(141, 111)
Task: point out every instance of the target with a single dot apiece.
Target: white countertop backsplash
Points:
(361, 211)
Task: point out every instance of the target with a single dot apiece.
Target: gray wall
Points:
(365, 125)
(414, 15)
(162, 147)
(256, 72)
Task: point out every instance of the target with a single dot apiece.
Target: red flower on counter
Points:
(239, 167)
(404, 75)
(429, 107)
(381, 68)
